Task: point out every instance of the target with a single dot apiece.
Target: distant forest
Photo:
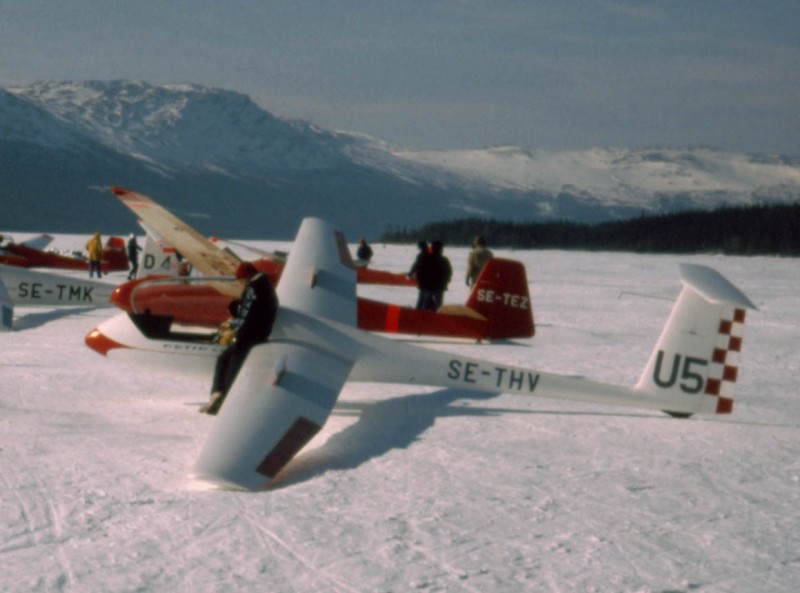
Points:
(750, 230)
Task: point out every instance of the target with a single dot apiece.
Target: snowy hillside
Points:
(627, 177)
(416, 489)
(218, 154)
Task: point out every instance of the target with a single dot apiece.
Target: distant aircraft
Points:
(288, 386)
(32, 254)
(272, 262)
(498, 307)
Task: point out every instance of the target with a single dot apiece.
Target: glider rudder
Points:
(501, 296)
(697, 355)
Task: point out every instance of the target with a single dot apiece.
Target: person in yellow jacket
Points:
(94, 250)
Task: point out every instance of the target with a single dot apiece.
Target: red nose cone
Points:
(101, 343)
(121, 296)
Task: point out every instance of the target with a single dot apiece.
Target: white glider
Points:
(288, 386)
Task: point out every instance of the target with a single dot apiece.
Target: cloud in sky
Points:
(552, 74)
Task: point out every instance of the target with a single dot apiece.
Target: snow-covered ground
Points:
(409, 489)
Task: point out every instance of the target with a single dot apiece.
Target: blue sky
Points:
(444, 74)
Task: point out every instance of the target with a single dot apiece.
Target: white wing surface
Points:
(288, 386)
(39, 242)
(28, 287)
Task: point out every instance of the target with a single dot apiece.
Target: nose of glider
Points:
(122, 296)
(100, 343)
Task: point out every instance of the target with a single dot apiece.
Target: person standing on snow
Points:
(94, 251)
(364, 253)
(476, 259)
(133, 256)
(412, 273)
(433, 277)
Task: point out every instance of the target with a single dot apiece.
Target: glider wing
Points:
(288, 386)
(39, 242)
(204, 256)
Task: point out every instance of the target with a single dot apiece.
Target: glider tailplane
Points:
(697, 356)
(501, 295)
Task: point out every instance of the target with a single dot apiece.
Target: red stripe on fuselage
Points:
(393, 319)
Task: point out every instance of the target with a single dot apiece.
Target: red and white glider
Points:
(32, 254)
(498, 307)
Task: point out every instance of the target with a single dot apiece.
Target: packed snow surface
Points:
(410, 489)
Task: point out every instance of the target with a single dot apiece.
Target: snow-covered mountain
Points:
(243, 172)
(628, 177)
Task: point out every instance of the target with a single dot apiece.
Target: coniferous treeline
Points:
(746, 230)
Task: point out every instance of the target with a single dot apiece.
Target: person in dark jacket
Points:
(255, 313)
(364, 252)
(424, 250)
(433, 277)
(133, 256)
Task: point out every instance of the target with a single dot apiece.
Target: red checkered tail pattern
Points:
(695, 364)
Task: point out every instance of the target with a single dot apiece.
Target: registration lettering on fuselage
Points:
(62, 292)
(502, 298)
(498, 376)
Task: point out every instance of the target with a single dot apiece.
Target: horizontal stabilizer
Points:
(713, 286)
(34, 288)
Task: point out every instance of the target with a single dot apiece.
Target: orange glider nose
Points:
(121, 297)
(101, 343)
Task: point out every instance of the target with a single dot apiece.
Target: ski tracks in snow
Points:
(289, 556)
(39, 522)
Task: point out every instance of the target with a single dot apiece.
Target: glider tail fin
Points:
(501, 296)
(696, 359)
(115, 256)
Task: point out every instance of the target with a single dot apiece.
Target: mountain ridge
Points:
(249, 173)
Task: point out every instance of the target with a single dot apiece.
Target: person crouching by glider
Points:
(255, 313)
